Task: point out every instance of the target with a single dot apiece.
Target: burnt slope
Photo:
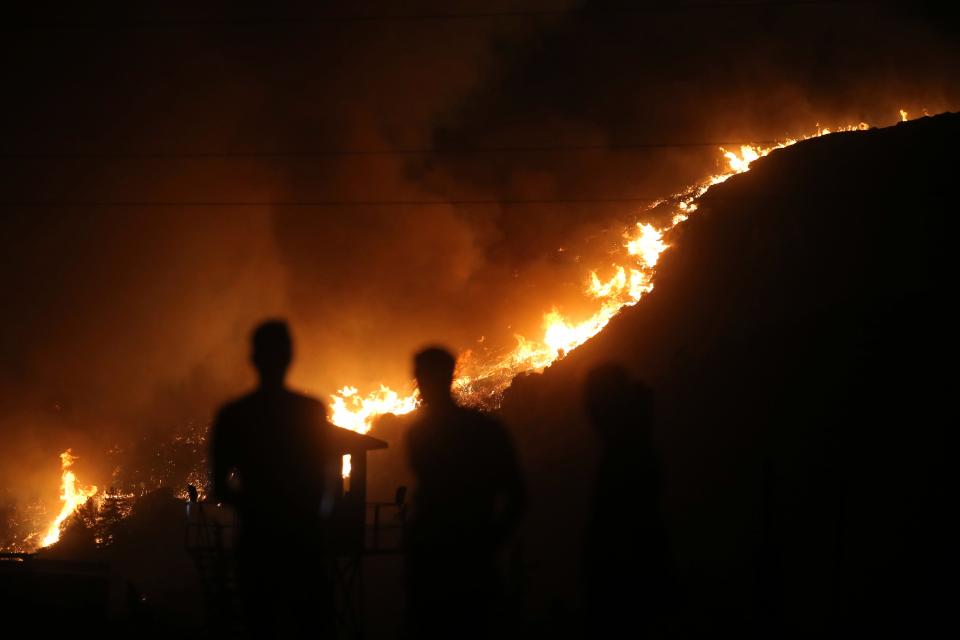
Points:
(796, 341)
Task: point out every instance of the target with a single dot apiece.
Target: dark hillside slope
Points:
(800, 342)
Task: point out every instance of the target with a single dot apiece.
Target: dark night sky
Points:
(123, 318)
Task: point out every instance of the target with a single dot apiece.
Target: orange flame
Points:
(351, 411)
(626, 287)
(72, 496)
(643, 246)
(648, 245)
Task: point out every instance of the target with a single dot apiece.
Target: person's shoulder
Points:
(482, 423)
(422, 430)
(416, 426)
(303, 398)
(235, 408)
(478, 417)
(307, 404)
(488, 428)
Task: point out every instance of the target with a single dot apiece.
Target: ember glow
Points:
(72, 495)
(482, 383)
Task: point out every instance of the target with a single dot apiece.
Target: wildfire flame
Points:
(628, 284)
(351, 411)
(648, 245)
(72, 496)
(643, 246)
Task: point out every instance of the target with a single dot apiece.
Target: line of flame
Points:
(643, 246)
(630, 282)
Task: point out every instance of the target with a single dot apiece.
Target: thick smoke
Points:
(122, 321)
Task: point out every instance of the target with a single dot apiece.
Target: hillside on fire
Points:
(795, 343)
(793, 347)
(478, 319)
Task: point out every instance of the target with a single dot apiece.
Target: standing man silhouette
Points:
(468, 500)
(270, 461)
(627, 567)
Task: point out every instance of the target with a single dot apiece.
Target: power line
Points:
(489, 202)
(79, 204)
(167, 155)
(322, 203)
(310, 20)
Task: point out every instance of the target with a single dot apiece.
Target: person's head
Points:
(433, 367)
(272, 352)
(616, 403)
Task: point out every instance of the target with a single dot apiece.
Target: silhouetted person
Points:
(270, 462)
(468, 500)
(626, 565)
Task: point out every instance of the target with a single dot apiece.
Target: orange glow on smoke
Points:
(71, 495)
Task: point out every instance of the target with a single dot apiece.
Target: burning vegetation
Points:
(479, 382)
(72, 496)
(154, 463)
